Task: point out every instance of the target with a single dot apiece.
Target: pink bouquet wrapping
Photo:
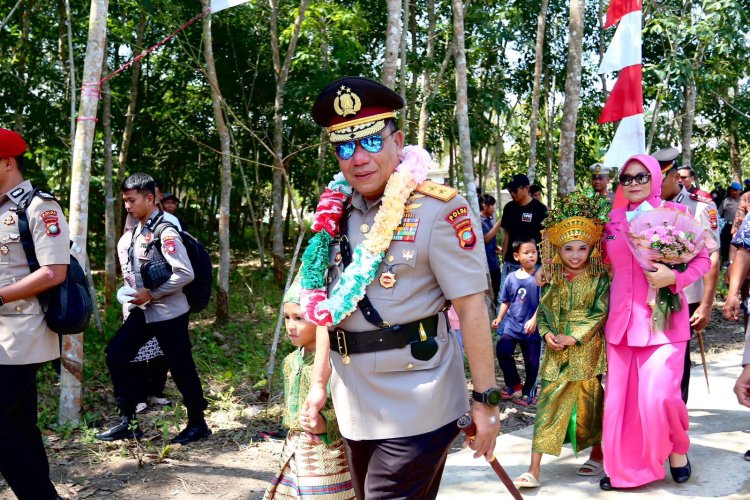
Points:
(670, 237)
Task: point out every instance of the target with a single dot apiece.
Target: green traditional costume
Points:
(571, 403)
(308, 469)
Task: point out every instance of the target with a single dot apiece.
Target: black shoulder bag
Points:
(67, 306)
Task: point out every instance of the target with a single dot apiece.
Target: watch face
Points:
(493, 397)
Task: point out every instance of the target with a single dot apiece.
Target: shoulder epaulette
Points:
(435, 190)
(701, 198)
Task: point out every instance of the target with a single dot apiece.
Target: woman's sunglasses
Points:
(642, 178)
(371, 144)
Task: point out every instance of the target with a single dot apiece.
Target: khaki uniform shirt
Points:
(24, 335)
(436, 255)
(704, 210)
(168, 301)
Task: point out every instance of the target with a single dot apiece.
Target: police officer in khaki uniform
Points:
(699, 295)
(161, 313)
(25, 340)
(601, 178)
(397, 406)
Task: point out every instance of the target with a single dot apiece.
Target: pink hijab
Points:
(654, 197)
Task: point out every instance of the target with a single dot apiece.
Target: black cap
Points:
(354, 107)
(518, 181)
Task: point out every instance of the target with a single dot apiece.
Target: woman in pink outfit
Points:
(645, 419)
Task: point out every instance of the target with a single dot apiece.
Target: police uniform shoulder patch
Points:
(435, 190)
(50, 219)
(465, 234)
(169, 244)
(699, 197)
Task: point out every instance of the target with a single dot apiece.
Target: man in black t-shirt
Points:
(522, 218)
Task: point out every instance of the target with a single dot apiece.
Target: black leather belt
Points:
(392, 337)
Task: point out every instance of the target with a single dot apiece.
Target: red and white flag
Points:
(625, 102)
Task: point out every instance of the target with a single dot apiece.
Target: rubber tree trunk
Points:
(541, 22)
(225, 172)
(462, 107)
(688, 120)
(281, 71)
(572, 100)
(110, 258)
(392, 41)
(72, 348)
(127, 132)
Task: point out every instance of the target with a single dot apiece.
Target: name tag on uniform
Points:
(526, 217)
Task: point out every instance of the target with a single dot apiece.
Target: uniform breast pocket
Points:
(334, 264)
(10, 247)
(394, 279)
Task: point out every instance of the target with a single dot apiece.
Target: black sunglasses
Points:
(642, 178)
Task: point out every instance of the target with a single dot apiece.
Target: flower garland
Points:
(321, 308)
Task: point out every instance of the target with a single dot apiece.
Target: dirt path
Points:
(238, 460)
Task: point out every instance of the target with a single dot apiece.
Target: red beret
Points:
(11, 144)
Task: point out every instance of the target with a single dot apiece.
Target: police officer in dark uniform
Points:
(397, 403)
(25, 340)
(160, 312)
(699, 295)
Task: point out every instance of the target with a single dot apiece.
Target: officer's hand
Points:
(663, 276)
(699, 319)
(732, 307)
(484, 442)
(142, 296)
(314, 402)
(742, 387)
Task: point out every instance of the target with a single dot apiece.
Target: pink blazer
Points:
(629, 315)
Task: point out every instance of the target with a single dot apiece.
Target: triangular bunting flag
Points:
(625, 49)
(626, 98)
(618, 8)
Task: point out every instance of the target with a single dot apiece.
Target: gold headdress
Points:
(579, 216)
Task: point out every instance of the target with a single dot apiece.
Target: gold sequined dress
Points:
(571, 402)
(308, 469)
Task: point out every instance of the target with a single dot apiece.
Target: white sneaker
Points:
(153, 400)
(141, 407)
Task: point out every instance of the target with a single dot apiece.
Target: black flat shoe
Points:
(606, 484)
(747, 455)
(681, 474)
(192, 433)
(123, 430)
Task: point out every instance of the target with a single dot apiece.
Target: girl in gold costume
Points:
(571, 317)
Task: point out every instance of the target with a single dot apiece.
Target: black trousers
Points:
(174, 340)
(23, 461)
(400, 468)
(151, 377)
(685, 382)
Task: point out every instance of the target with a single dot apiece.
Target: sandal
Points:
(525, 401)
(526, 480)
(511, 392)
(594, 468)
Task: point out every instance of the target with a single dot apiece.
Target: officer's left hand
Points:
(142, 296)
(663, 276)
(484, 442)
(700, 317)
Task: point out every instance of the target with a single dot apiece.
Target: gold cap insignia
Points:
(346, 102)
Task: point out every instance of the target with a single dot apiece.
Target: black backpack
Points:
(198, 291)
(67, 306)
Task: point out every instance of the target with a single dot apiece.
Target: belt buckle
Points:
(341, 346)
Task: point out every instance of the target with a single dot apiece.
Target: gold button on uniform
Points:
(18, 309)
(410, 366)
(390, 258)
(364, 228)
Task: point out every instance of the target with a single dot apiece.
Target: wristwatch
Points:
(490, 397)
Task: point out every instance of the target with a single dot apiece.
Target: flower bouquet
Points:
(670, 237)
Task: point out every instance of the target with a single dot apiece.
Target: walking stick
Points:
(699, 334)
(470, 429)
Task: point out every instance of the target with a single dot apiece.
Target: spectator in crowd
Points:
(687, 179)
(170, 204)
(490, 228)
(536, 192)
(522, 218)
(600, 181)
(727, 212)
